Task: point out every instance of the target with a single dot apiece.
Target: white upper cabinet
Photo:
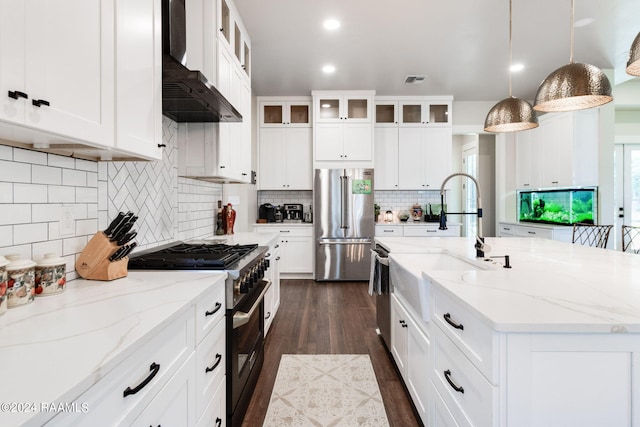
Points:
(56, 68)
(292, 113)
(386, 113)
(139, 78)
(233, 36)
(561, 152)
(420, 112)
(424, 158)
(343, 128)
(285, 143)
(82, 76)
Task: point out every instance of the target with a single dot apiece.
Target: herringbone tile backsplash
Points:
(35, 187)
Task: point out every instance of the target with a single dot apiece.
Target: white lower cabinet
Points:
(559, 233)
(272, 297)
(417, 230)
(481, 377)
(174, 404)
(410, 350)
(296, 247)
(175, 378)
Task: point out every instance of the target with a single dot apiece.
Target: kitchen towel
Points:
(378, 283)
(314, 390)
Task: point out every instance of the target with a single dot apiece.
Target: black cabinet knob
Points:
(15, 94)
(39, 102)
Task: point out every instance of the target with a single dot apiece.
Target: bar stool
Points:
(631, 239)
(591, 234)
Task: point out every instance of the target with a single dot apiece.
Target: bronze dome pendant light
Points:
(574, 86)
(633, 64)
(511, 114)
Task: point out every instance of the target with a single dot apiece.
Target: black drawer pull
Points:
(215, 365)
(218, 422)
(15, 94)
(447, 375)
(40, 102)
(214, 311)
(268, 315)
(154, 368)
(447, 317)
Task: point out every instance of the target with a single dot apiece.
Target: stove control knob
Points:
(244, 286)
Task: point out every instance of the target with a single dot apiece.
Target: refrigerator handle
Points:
(345, 202)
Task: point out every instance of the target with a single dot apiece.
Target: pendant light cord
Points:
(510, 43)
(572, 28)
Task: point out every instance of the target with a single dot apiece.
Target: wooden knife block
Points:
(93, 263)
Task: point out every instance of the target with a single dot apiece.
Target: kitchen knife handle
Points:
(114, 223)
(127, 238)
(116, 255)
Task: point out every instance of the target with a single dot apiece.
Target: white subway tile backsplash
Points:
(103, 170)
(29, 193)
(15, 214)
(30, 233)
(46, 175)
(74, 178)
(86, 165)
(103, 196)
(61, 161)
(6, 152)
(74, 245)
(29, 156)
(86, 226)
(45, 212)
(61, 194)
(92, 179)
(23, 251)
(86, 195)
(6, 192)
(6, 235)
(14, 172)
(50, 247)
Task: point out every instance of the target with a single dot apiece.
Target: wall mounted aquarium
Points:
(558, 206)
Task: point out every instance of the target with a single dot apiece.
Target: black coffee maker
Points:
(267, 212)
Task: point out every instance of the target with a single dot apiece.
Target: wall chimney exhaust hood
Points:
(187, 95)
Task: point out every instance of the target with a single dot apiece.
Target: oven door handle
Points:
(240, 318)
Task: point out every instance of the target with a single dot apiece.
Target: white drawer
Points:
(535, 232)
(506, 230)
(210, 310)
(210, 366)
(474, 338)
(389, 230)
(430, 231)
(294, 231)
(215, 414)
(440, 414)
(169, 349)
(470, 398)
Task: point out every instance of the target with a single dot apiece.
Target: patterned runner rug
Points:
(337, 390)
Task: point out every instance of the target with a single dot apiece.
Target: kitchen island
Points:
(69, 358)
(554, 340)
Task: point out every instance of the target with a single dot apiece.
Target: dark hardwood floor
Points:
(329, 318)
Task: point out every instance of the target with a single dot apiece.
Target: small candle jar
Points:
(3, 285)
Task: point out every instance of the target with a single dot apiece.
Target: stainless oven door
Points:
(245, 335)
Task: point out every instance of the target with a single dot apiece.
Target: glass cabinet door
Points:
(273, 114)
(225, 21)
(237, 41)
(247, 60)
(299, 114)
(357, 108)
(438, 113)
(386, 113)
(329, 109)
(411, 113)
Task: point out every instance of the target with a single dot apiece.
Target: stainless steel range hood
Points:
(187, 95)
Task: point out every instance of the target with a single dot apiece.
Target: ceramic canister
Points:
(51, 275)
(20, 282)
(3, 284)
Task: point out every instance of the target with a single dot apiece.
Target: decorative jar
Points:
(3, 285)
(51, 276)
(21, 277)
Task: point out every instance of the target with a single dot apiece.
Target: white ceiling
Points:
(462, 46)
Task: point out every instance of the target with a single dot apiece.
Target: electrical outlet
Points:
(67, 221)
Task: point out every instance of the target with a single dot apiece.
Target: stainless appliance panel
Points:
(344, 223)
(343, 259)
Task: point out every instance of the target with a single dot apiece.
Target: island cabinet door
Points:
(573, 380)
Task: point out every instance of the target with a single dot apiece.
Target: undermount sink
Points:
(406, 275)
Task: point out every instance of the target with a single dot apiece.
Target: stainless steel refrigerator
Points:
(343, 223)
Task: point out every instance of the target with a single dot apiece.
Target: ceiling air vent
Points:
(414, 80)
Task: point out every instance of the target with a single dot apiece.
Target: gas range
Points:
(245, 265)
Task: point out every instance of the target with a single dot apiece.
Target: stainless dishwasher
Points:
(383, 300)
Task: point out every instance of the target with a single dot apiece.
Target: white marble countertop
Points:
(58, 346)
(551, 287)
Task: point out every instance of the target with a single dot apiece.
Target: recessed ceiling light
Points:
(331, 24)
(328, 69)
(516, 67)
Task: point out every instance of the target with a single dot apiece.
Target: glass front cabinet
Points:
(343, 108)
(287, 113)
(425, 113)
